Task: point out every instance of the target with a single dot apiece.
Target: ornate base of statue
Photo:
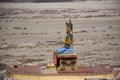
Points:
(66, 62)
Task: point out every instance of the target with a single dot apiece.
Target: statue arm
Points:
(66, 41)
(69, 39)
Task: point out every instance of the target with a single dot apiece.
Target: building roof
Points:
(81, 70)
(26, 69)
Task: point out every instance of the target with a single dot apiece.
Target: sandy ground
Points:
(29, 32)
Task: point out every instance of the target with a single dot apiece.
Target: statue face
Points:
(69, 30)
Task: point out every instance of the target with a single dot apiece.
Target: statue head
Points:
(68, 27)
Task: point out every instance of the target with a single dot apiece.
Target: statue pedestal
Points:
(66, 62)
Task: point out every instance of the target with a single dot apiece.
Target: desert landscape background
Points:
(29, 32)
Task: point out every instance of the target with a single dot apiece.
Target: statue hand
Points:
(63, 40)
